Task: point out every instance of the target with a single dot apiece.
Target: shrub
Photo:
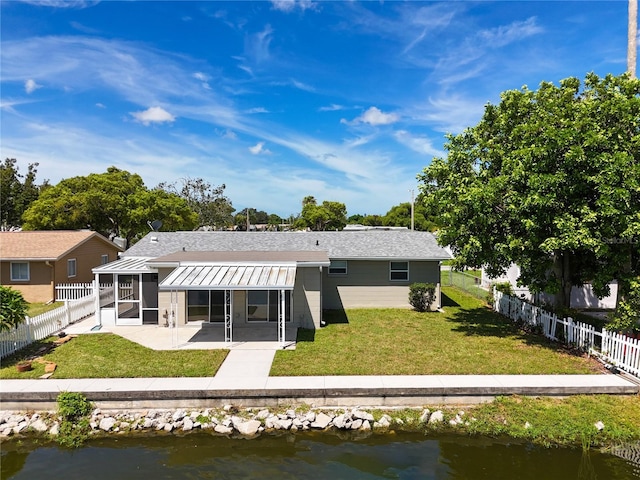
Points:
(73, 405)
(422, 295)
(504, 287)
(13, 308)
(627, 316)
(74, 408)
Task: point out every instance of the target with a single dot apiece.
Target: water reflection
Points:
(309, 456)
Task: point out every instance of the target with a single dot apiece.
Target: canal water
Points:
(308, 456)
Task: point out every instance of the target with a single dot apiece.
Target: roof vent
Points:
(154, 239)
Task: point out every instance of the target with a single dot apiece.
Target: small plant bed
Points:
(468, 338)
(104, 355)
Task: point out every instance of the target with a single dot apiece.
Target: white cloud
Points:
(203, 78)
(258, 149)
(480, 51)
(302, 86)
(153, 115)
(290, 5)
(332, 108)
(257, 110)
(452, 114)
(31, 86)
(358, 141)
(506, 34)
(83, 28)
(100, 105)
(228, 134)
(418, 144)
(63, 3)
(257, 45)
(374, 116)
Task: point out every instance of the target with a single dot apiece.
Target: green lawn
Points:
(36, 309)
(467, 339)
(104, 355)
(468, 281)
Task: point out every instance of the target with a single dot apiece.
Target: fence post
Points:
(67, 311)
(27, 322)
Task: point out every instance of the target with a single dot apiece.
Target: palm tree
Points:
(632, 48)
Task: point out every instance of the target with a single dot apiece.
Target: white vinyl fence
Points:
(618, 350)
(76, 291)
(44, 325)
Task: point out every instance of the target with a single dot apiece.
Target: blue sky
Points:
(345, 101)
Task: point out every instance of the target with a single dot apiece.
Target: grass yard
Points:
(36, 309)
(467, 339)
(105, 355)
(468, 281)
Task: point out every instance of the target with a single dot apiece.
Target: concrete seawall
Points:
(131, 393)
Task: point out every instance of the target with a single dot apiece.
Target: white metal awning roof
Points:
(231, 277)
(127, 265)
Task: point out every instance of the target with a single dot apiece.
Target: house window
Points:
(205, 305)
(20, 271)
(104, 259)
(399, 271)
(264, 305)
(338, 267)
(71, 267)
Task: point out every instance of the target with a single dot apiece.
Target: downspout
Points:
(322, 322)
(53, 279)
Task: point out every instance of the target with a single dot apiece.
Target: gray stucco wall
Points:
(367, 284)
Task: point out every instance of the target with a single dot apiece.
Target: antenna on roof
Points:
(155, 225)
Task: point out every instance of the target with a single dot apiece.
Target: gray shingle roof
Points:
(373, 244)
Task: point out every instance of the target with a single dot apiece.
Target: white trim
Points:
(74, 262)
(280, 301)
(398, 270)
(333, 265)
(13, 279)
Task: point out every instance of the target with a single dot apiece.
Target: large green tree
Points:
(17, 191)
(114, 203)
(550, 180)
(400, 216)
(213, 208)
(329, 215)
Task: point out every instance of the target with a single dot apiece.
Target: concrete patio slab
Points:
(193, 337)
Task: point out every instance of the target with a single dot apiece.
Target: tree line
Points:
(116, 203)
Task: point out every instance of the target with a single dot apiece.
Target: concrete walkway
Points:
(241, 385)
(253, 364)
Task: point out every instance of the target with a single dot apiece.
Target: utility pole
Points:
(632, 43)
(411, 210)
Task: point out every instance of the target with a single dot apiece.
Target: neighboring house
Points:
(35, 262)
(247, 278)
(581, 297)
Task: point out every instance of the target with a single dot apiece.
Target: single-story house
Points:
(582, 297)
(247, 278)
(34, 262)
